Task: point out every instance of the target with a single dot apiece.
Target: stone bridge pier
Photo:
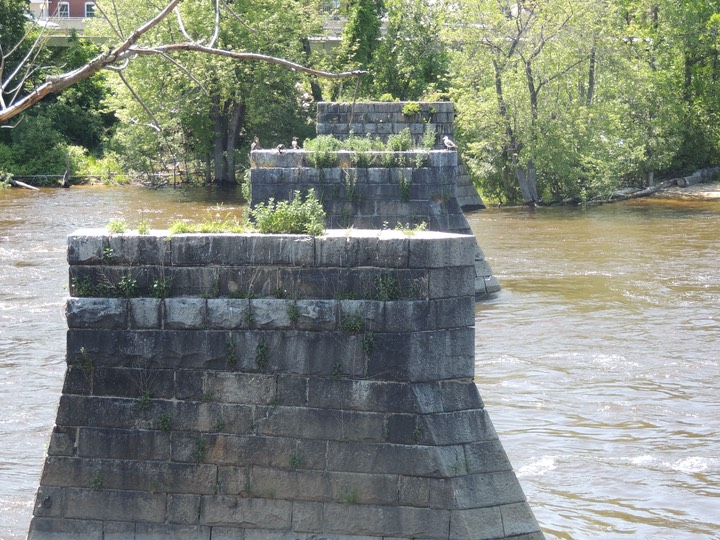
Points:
(275, 387)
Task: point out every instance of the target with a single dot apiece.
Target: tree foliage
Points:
(573, 99)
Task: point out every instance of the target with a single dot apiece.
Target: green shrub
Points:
(400, 142)
(299, 216)
(321, 151)
(411, 109)
(5, 178)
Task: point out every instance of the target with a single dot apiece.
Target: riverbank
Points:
(704, 191)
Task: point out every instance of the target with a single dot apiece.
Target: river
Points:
(599, 362)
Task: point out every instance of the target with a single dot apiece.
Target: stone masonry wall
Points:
(391, 188)
(382, 119)
(274, 387)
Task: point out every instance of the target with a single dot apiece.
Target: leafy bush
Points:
(322, 151)
(411, 109)
(300, 216)
(5, 178)
(400, 142)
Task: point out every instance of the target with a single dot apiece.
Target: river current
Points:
(599, 361)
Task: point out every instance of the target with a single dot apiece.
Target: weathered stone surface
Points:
(331, 397)
(107, 313)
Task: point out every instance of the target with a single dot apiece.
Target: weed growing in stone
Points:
(107, 255)
(127, 286)
(411, 109)
(409, 229)
(302, 215)
(143, 227)
(262, 355)
(293, 313)
(368, 344)
(230, 356)
(387, 287)
(322, 151)
(82, 286)
(165, 422)
(97, 481)
(353, 323)
(144, 400)
(351, 497)
(207, 396)
(117, 226)
(219, 426)
(337, 370)
(429, 136)
(417, 432)
(296, 460)
(400, 142)
(85, 363)
(404, 183)
(200, 448)
(161, 287)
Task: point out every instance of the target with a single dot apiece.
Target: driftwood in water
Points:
(645, 192)
(18, 183)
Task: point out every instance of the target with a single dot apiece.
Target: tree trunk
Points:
(218, 138)
(236, 120)
(527, 180)
(591, 77)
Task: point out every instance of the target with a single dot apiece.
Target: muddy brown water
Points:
(599, 362)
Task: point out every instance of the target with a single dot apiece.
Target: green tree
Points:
(360, 40)
(205, 108)
(411, 58)
(12, 43)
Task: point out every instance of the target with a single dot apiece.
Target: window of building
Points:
(63, 9)
(89, 9)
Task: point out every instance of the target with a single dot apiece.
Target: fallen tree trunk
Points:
(18, 183)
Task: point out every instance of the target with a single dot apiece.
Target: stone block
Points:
(42, 528)
(456, 427)
(306, 517)
(185, 313)
(222, 510)
(322, 424)
(386, 458)
(188, 385)
(423, 356)
(145, 445)
(132, 382)
(288, 158)
(163, 531)
(315, 314)
(451, 281)
(401, 521)
(486, 456)
(85, 246)
(227, 313)
(441, 250)
(118, 530)
(105, 313)
(476, 524)
(270, 313)
(62, 441)
(87, 503)
(183, 509)
(518, 519)
(253, 282)
(233, 480)
(245, 388)
(458, 395)
(292, 390)
(144, 313)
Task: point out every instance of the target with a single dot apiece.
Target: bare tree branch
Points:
(128, 48)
